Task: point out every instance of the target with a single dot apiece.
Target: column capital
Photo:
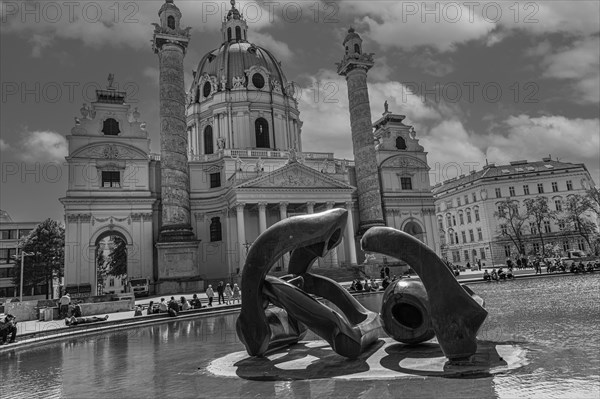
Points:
(239, 206)
(349, 205)
(311, 203)
(262, 205)
(284, 204)
(330, 204)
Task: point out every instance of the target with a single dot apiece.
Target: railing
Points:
(254, 154)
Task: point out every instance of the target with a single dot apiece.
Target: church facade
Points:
(231, 165)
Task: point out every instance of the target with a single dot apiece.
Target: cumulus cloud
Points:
(43, 146)
(571, 140)
(276, 47)
(4, 146)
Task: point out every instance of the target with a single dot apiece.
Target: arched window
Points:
(215, 229)
(258, 81)
(110, 127)
(208, 140)
(238, 33)
(171, 22)
(261, 127)
(346, 49)
(356, 48)
(400, 143)
(228, 34)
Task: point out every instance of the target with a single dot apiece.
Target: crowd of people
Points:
(498, 275)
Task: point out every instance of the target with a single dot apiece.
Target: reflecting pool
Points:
(556, 320)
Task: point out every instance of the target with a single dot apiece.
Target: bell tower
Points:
(177, 245)
(354, 66)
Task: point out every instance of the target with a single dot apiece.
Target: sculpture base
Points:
(176, 233)
(386, 359)
(363, 226)
(178, 267)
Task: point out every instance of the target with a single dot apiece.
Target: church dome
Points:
(234, 58)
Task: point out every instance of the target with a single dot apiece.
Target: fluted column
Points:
(283, 215)
(241, 233)
(333, 255)
(262, 216)
(310, 207)
(350, 233)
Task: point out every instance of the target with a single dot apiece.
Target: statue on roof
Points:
(385, 106)
(111, 80)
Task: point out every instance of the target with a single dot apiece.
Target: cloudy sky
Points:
(499, 81)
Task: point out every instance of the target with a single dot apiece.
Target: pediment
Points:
(296, 175)
(109, 151)
(404, 162)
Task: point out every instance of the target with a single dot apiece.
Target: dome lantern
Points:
(234, 27)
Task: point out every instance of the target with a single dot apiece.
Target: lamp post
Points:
(23, 255)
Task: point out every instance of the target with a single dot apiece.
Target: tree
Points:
(117, 259)
(538, 212)
(593, 195)
(575, 217)
(101, 265)
(512, 221)
(47, 243)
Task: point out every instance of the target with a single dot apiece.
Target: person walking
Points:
(228, 294)
(220, 289)
(210, 294)
(64, 302)
(236, 293)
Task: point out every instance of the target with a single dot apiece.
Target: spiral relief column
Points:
(354, 67)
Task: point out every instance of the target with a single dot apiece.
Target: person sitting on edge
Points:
(374, 285)
(196, 303)
(359, 286)
(185, 305)
(367, 287)
(73, 321)
(501, 274)
(8, 326)
(173, 305)
(486, 276)
(385, 282)
(162, 306)
(509, 274)
(137, 311)
(494, 275)
(150, 308)
(210, 294)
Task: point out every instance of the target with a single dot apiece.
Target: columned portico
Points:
(262, 216)
(333, 255)
(241, 233)
(350, 234)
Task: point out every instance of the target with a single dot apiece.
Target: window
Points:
(406, 183)
(451, 239)
(466, 252)
(215, 229)
(110, 127)
(554, 186)
(228, 34)
(461, 219)
(238, 33)
(498, 192)
(208, 140)
(569, 185)
(501, 212)
(111, 179)
(453, 220)
(400, 143)
(534, 229)
(258, 81)
(547, 226)
(482, 253)
(479, 234)
(581, 245)
(24, 232)
(206, 89)
(448, 221)
(466, 199)
(456, 237)
(111, 282)
(171, 22)
(6, 272)
(455, 256)
(503, 229)
(464, 236)
(468, 216)
(566, 246)
(558, 205)
(9, 234)
(526, 189)
(440, 223)
(476, 210)
(474, 197)
(356, 48)
(261, 130)
(561, 226)
(458, 201)
(536, 248)
(507, 251)
(511, 191)
(471, 235)
(540, 187)
(215, 180)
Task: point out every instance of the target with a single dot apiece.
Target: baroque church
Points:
(231, 165)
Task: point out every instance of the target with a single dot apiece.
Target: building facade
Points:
(246, 168)
(11, 234)
(466, 209)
